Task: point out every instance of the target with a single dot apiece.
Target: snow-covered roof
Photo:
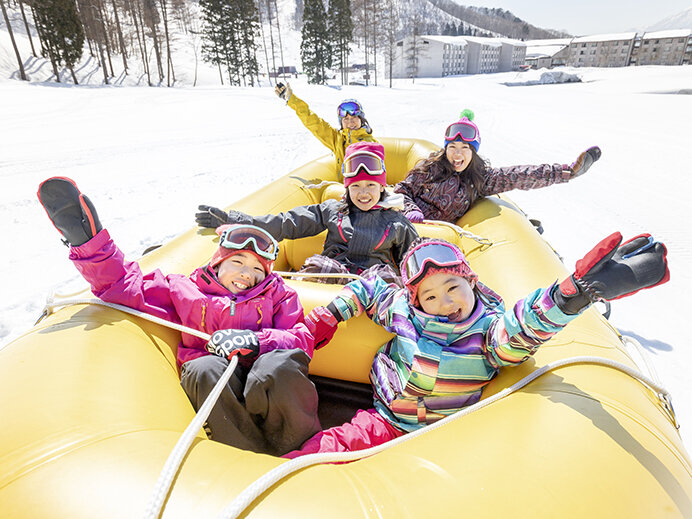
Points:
(491, 42)
(454, 40)
(544, 50)
(548, 43)
(605, 37)
(673, 33)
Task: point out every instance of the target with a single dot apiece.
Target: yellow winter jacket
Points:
(335, 140)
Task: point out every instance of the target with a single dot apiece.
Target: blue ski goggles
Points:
(352, 108)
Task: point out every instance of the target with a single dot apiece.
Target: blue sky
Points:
(588, 16)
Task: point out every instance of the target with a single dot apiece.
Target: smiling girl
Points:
(449, 181)
(452, 334)
(366, 232)
(269, 405)
(353, 126)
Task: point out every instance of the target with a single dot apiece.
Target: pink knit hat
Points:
(427, 257)
(361, 157)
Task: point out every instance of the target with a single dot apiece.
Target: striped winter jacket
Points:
(336, 140)
(432, 367)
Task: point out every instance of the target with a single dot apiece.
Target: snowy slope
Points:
(148, 156)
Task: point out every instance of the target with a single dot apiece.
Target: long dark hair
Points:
(476, 169)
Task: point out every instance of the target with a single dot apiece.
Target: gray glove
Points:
(585, 160)
(211, 217)
(283, 91)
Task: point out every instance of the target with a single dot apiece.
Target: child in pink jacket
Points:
(269, 405)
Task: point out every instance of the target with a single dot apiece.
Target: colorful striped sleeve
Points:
(517, 333)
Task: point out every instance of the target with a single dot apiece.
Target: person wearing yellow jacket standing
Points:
(353, 126)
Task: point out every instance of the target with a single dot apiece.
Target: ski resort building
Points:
(440, 56)
(547, 53)
(663, 48)
(601, 50)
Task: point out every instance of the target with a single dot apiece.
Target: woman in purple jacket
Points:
(449, 181)
(269, 405)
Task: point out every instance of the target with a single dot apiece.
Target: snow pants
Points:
(366, 429)
(268, 407)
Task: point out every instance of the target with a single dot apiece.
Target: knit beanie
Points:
(460, 267)
(466, 116)
(371, 147)
(223, 253)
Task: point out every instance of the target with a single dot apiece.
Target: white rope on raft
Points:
(269, 479)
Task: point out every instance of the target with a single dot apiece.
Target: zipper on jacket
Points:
(384, 237)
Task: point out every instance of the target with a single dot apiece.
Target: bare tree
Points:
(22, 74)
(121, 40)
(26, 26)
(169, 59)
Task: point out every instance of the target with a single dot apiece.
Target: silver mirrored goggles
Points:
(249, 237)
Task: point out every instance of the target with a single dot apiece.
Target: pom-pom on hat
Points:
(235, 238)
(426, 257)
(464, 130)
(364, 161)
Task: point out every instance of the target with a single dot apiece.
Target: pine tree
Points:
(315, 50)
(340, 28)
(229, 38)
(63, 35)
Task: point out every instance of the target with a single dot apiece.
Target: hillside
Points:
(428, 16)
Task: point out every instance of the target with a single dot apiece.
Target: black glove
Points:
(611, 271)
(71, 212)
(585, 160)
(211, 217)
(230, 342)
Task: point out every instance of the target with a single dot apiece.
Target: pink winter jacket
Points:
(200, 301)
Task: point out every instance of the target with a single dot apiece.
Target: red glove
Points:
(612, 270)
(322, 325)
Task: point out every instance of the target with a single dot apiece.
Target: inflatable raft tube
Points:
(92, 406)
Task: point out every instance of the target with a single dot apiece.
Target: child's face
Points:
(351, 122)
(447, 295)
(365, 193)
(459, 155)
(240, 272)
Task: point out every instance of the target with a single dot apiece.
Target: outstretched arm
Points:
(501, 180)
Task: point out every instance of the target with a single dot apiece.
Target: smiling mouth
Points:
(454, 317)
(241, 286)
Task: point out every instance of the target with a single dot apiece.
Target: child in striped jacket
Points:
(453, 334)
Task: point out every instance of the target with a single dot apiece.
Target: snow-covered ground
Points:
(149, 156)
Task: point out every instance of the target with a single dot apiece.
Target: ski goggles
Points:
(464, 129)
(349, 108)
(425, 255)
(363, 161)
(249, 237)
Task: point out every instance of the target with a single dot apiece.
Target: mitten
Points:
(322, 324)
(415, 216)
(584, 161)
(211, 217)
(71, 212)
(230, 342)
(611, 271)
(283, 91)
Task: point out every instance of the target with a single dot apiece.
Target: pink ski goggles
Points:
(363, 161)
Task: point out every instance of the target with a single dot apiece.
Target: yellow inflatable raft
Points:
(92, 406)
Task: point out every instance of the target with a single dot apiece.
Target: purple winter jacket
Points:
(200, 301)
